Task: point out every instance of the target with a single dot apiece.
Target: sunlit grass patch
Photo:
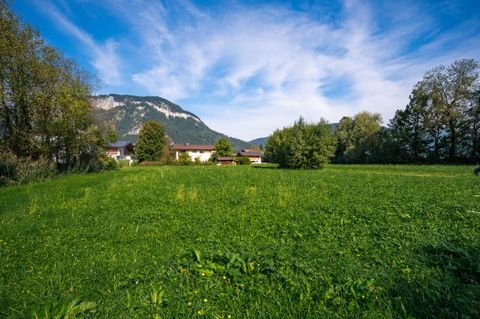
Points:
(245, 242)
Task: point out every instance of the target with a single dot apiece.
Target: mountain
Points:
(259, 141)
(127, 113)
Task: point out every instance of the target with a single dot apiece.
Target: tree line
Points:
(46, 117)
(442, 119)
(440, 124)
(45, 112)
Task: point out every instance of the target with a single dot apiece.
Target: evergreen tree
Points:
(409, 128)
(151, 142)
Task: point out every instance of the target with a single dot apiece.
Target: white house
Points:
(202, 152)
(254, 156)
(121, 150)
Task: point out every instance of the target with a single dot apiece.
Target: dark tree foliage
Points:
(473, 126)
(441, 121)
(151, 142)
(45, 111)
(410, 127)
(302, 146)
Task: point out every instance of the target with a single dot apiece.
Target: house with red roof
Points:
(121, 150)
(225, 160)
(254, 156)
(202, 152)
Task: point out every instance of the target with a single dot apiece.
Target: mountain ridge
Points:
(127, 113)
(259, 141)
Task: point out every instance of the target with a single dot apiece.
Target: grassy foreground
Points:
(244, 242)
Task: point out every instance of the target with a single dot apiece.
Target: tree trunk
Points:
(453, 140)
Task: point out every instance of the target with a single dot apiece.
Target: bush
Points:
(8, 168)
(15, 170)
(123, 163)
(110, 163)
(94, 165)
(302, 146)
(184, 159)
(29, 171)
(244, 160)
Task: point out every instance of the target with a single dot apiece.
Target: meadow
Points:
(243, 242)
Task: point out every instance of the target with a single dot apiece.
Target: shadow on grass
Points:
(452, 288)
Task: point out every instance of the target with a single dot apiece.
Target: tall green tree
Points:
(441, 120)
(18, 46)
(275, 144)
(473, 121)
(45, 110)
(345, 141)
(302, 146)
(223, 147)
(452, 88)
(409, 127)
(151, 142)
(358, 137)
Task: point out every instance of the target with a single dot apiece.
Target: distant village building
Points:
(224, 160)
(202, 152)
(254, 156)
(121, 150)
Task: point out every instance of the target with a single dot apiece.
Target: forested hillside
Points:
(127, 113)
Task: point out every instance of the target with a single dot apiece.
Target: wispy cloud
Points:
(103, 56)
(247, 70)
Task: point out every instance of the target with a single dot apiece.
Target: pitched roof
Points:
(252, 154)
(192, 147)
(119, 144)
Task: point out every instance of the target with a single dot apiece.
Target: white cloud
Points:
(103, 56)
(381, 82)
(249, 70)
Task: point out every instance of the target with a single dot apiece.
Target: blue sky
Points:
(250, 67)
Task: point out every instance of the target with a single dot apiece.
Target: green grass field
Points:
(244, 242)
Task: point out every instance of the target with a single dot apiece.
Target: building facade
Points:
(202, 152)
(121, 150)
(254, 156)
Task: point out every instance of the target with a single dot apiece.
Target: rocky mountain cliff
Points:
(127, 113)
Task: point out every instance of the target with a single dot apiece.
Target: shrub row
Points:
(23, 170)
(14, 170)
